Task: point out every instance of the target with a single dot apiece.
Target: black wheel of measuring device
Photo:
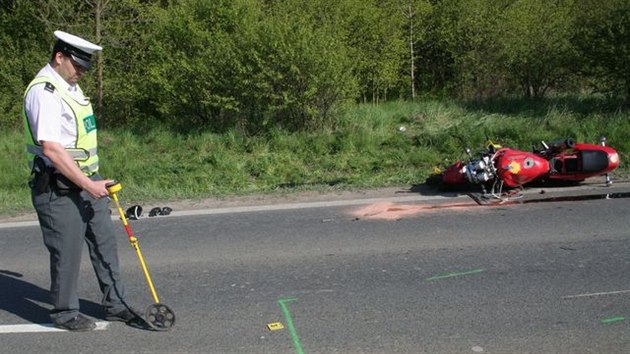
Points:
(160, 317)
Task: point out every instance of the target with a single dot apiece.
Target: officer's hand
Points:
(98, 189)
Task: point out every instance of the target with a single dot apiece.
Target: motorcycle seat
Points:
(594, 160)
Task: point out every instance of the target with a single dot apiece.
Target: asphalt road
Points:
(380, 276)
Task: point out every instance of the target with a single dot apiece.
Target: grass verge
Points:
(397, 143)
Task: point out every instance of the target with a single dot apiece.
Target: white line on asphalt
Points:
(44, 327)
(597, 294)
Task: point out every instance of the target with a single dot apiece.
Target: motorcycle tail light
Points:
(613, 158)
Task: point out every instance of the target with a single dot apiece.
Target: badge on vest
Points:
(89, 123)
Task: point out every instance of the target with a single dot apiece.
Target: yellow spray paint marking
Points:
(276, 326)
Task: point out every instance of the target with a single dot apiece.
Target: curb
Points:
(342, 198)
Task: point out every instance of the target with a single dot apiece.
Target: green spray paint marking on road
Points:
(451, 275)
(287, 317)
(613, 319)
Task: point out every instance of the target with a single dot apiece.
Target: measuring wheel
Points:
(160, 317)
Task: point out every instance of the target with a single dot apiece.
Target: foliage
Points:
(303, 64)
(23, 51)
(193, 59)
(126, 30)
(603, 40)
(463, 38)
(535, 39)
(256, 65)
(234, 64)
(377, 52)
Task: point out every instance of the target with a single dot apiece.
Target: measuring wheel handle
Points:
(114, 187)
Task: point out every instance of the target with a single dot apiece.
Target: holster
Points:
(41, 176)
(45, 179)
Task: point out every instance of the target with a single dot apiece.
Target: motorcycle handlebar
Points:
(562, 144)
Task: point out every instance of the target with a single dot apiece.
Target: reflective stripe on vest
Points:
(85, 150)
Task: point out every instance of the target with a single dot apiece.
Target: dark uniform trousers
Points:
(68, 218)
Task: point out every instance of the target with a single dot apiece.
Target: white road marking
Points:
(44, 327)
(597, 294)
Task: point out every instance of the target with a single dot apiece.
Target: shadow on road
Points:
(32, 303)
(441, 190)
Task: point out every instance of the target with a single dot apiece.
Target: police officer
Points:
(68, 194)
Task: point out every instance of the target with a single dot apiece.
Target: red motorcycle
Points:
(499, 167)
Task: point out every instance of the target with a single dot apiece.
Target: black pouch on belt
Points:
(42, 175)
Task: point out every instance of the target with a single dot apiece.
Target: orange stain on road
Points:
(393, 211)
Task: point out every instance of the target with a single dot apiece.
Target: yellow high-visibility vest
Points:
(85, 150)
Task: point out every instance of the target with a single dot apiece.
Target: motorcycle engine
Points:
(479, 171)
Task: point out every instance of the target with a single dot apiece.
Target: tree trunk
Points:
(98, 14)
(410, 16)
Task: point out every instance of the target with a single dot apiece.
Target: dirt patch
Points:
(395, 211)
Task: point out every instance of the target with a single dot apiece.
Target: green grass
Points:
(365, 149)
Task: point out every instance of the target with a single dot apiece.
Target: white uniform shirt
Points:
(51, 119)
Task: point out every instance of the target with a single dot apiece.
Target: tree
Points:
(304, 62)
(373, 33)
(115, 25)
(247, 64)
(460, 49)
(24, 51)
(124, 28)
(410, 14)
(536, 48)
(415, 13)
(192, 61)
(603, 39)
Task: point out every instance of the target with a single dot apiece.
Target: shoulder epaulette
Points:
(49, 87)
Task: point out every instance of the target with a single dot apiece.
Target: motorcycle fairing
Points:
(454, 174)
(518, 167)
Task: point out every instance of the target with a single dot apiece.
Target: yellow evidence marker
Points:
(276, 326)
